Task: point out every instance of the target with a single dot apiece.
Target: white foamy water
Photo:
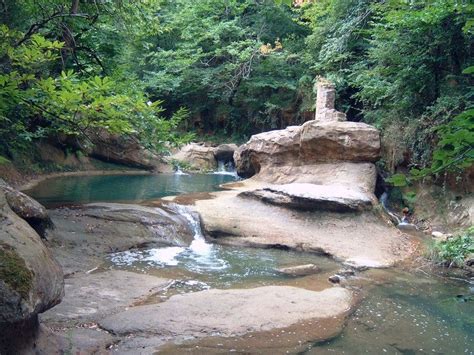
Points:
(199, 256)
(225, 169)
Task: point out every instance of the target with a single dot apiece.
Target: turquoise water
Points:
(122, 188)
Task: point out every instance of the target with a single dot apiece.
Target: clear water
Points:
(123, 188)
(409, 314)
(205, 265)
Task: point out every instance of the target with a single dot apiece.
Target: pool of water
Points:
(409, 313)
(123, 188)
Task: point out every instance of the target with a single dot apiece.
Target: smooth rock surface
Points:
(363, 239)
(197, 156)
(311, 197)
(31, 281)
(84, 235)
(91, 297)
(230, 312)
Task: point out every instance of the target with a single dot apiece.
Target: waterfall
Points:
(383, 201)
(225, 168)
(199, 244)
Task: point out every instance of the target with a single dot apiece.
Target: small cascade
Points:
(199, 244)
(225, 168)
(178, 171)
(200, 256)
(401, 223)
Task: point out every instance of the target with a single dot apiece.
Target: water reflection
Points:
(123, 188)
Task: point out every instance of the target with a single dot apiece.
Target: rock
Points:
(225, 152)
(362, 238)
(84, 235)
(326, 96)
(436, 234)
(31, 281)
(27, 208)
(300, 270)
(197, 156)
(312, 143)
(339, 141)
(335, 279)
(122, 150)
(91, 297)
(230, 312)
(310, 197)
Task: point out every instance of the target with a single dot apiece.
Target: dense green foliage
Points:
(454, 251)
(241, 67)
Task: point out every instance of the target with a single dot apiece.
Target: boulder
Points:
(123, 150)
(27, 208)
(225, 152)
(339, 141)
(300, 270)
(311, 197)
(197, 157)
(313, 143)
(31, 281)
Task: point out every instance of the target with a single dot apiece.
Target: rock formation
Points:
(200, 157)
(310, 188)
(27, 208)
(337, 156)
(31, 281)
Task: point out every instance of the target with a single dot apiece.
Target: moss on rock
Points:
(14, 272)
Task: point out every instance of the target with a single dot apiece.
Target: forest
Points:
(166, 72)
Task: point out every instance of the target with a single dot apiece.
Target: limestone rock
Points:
(31, 281)
(225, 152)
(300, 270)
(197, 156)
(325, 109)
(231, 312)
(310, 197)
(27, 208)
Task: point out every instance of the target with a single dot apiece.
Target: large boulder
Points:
(31, 281)
(197, 157)
(314, 142)
(123, 150)
(27, 208)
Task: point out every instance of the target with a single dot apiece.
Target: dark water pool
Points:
(122, 188)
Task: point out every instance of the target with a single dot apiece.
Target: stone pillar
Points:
(326, 96)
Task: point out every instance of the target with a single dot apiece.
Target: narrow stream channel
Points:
(401, 312)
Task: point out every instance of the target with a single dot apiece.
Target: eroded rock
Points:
(311, 197)
(300, 270)
(91, 297)
(225, 152)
